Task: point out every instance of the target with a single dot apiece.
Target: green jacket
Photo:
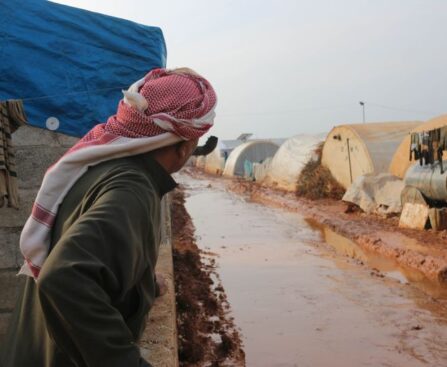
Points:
(89, 304)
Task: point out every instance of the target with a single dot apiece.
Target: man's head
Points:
(174, 157)
(179, 101)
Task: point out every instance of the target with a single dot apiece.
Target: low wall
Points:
(36, 149)
(159, 341)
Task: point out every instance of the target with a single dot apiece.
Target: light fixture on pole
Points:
(363, 108)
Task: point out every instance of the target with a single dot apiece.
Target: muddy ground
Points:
(424, 252)
(207, 334)
(306, 296)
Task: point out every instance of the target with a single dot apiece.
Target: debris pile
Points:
(207, 335)
(316, 181)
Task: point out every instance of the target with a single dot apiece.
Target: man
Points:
(91, 243)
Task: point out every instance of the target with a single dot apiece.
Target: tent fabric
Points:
(290, 159)
(260, 169)
(359, 149)
(248, 169)
(215, 161)
(255, 151)
(69, 65)
(200, 162)
(401, 158)
(380, 194)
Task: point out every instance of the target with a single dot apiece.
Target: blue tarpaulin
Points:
(69, 65)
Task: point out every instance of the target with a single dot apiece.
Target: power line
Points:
(281, 112)
(315, 108)
(398, 108)
(240, 114)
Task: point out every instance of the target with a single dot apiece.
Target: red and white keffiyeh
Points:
(159, 110)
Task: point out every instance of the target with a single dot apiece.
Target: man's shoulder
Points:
(120, 174)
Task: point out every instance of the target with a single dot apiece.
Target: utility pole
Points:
(363, 108)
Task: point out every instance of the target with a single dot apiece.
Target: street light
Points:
(363, 107)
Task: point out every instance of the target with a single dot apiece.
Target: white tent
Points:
(200, 162)
(290, 159)
(254, 151)
(215, 161)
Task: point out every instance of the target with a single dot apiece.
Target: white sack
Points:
(376, 194)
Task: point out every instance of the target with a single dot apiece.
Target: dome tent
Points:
(215, 162)
(253, 151)
(401, 162)
(290, 159)
(200, 161)
(354, 150)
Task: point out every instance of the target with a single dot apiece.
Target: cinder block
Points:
(34, 136)
(66, 141)
(10, 217)
(33, 162)
(414, 216)
(9, 245)
(10, 284)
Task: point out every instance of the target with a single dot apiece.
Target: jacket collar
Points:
(163, 181)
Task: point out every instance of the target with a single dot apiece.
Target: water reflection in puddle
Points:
(384, 266)
(298, 303)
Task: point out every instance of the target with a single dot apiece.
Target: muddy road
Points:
(305, 296)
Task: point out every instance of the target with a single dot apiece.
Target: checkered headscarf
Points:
(161, 109)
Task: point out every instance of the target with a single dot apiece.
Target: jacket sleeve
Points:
(100, 257)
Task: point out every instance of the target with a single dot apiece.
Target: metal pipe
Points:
(428, 179)
(363, 108)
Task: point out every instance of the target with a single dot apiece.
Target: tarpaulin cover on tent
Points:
(70, 65)
(290, 159)
(252, 151)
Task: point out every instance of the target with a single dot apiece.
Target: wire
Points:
(263, 114)
(283, 111)
(396, 108)
(301, 109)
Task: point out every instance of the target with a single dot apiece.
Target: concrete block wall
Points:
(36, 149)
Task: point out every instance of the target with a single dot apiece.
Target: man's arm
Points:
(99, 258)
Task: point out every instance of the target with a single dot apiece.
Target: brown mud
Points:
(207, 335)
(423, 251)
(303, 295)
(316, 181)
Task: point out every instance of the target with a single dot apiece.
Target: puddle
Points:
(299, 303)
(384, 266)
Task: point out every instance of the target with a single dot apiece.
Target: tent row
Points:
(349, 151)
(275, 162)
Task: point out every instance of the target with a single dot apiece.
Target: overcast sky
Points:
(289, 66)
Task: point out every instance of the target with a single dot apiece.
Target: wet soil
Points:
(303, 295)
(422, 251)
(207, 335)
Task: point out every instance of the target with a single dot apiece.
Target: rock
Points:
(414, 216)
